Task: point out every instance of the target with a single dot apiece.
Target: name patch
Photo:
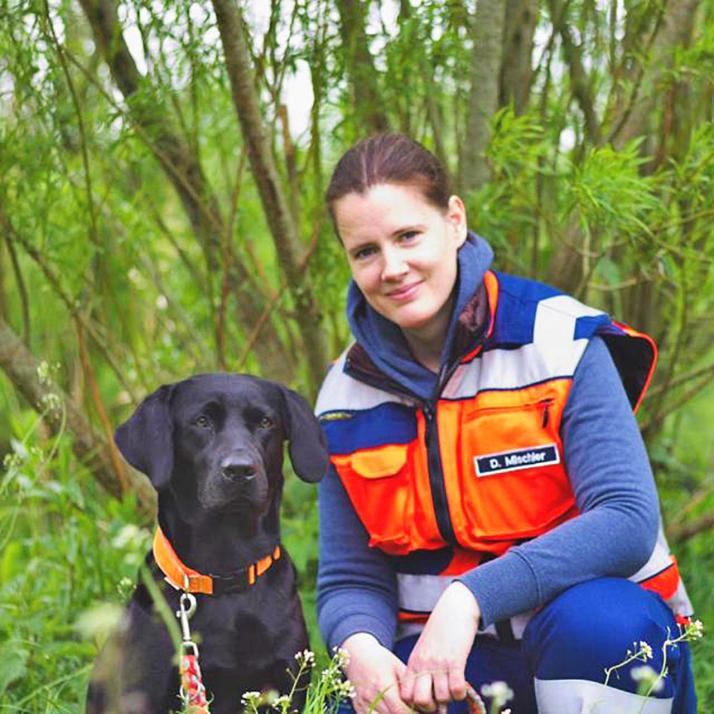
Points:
(528, 458)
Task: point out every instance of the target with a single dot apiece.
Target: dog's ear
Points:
(307, 445)
(145, 440)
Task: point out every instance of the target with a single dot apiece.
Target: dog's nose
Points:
(238, 469)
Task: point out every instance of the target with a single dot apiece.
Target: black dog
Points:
(212, 446)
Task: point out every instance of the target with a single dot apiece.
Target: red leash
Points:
(474, 701)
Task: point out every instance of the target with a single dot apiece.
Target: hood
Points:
(383, 340)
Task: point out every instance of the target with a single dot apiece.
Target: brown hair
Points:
(388, 158)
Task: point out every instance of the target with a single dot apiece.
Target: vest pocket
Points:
(514, 483)
(377, 482)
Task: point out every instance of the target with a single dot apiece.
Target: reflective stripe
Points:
(339, 391)
(659, 560)
(555, 319)
(680, 603)
(419, 593)
(514, 369)
(553, 353)
(407, 626)
(581, 696)
(654, 575)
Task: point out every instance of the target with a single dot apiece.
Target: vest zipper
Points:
(546, 411)
(433, 451)
(436, 471)
(436, 475)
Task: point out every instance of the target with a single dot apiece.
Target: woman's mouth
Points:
(406, 292)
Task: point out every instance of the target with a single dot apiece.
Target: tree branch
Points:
(678, 532)
(360, 68)
(275, 205)
(579, 81)
(21, 368)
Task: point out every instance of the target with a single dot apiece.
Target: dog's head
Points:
(219, 437)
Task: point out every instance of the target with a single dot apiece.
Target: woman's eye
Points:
(409, 235)
(203, 422)
(265, 423)
(363, 253)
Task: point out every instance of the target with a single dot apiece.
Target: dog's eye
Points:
(202, 421)
(266, 422)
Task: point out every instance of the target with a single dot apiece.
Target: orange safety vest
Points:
(481, 468)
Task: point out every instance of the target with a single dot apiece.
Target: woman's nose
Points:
(395, 266)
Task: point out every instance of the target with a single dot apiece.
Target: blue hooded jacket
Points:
(607, 464)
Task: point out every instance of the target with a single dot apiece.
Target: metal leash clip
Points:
(187, 606)
(192, 692)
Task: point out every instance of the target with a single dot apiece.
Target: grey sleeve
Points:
(614, 490)
(356, 584)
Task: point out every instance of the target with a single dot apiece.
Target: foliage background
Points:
(161, 215)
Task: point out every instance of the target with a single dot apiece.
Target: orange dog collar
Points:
(189, 580)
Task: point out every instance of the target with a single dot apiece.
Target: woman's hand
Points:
(374, 672)
(435, 671)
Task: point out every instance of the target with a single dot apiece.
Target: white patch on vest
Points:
(528, 458)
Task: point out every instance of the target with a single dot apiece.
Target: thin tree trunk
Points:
(21, 368)
(368, 105)
(275, 205)
(483, 98)
(675, 30)
(516, 71)
(580, 84)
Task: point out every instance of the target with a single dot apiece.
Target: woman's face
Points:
(402, 253)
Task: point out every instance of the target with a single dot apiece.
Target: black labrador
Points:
(212, 446)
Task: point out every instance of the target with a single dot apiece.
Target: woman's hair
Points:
(388, 158)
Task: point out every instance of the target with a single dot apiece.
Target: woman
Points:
(489, 493)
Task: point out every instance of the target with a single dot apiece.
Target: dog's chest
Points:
(230, 635)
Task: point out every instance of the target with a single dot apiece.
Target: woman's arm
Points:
(357, 602)
(614, 490)
(356, 584)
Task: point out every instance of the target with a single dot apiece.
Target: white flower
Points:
(283, 701)
(51, 401)
(43, 372)
(500, 692)
(646, 650)
(346, 689)
(305, 658)
(696, 629)
(647, 676)
(342, 656)
(250, 698)
(130, 536)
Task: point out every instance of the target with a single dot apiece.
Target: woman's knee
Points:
(596, 625)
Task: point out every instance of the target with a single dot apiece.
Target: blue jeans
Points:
(567, 646)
